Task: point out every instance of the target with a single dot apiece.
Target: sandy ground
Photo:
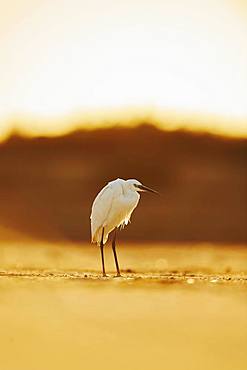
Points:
(176, 307)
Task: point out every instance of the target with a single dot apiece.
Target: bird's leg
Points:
(102, 253)
(114, 251)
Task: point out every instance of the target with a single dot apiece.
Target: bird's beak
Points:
(145, 188)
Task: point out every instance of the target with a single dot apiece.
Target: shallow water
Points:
(175, 307)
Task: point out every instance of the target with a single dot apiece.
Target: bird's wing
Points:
(122, 207)
(101, 208)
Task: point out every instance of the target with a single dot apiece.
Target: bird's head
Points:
(136, 185)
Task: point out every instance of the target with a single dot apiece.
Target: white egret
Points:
(112, 209)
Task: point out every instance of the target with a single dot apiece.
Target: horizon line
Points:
(165, 121)
(24, 135)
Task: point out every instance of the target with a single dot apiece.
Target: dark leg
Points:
(102, 253)
(114, 251)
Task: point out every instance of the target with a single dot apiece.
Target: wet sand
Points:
(174, 308)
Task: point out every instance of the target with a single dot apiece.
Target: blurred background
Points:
(91, 91)
(48, 184)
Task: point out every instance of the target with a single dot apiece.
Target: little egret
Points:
(112, 209)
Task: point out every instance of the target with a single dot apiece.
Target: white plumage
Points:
(113, 207)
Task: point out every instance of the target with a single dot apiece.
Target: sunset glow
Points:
(64, 62)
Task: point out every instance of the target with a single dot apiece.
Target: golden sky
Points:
(60, 59)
